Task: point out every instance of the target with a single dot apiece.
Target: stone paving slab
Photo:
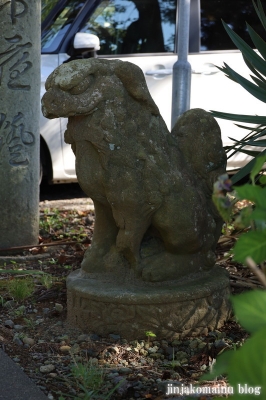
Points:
(15, 384)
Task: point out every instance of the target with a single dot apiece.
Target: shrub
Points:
(246, 367)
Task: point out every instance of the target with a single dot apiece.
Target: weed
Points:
(29, 323)
(149, 334)
(57, 223)
(90, 380)
(19, 335)
(47, 281)
(88, 375)
(174, 363)
(19, 311)
(2, 300)
(50, 221)
(20, 289)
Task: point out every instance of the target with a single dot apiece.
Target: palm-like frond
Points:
(256, 62)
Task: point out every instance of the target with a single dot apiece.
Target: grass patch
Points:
(20, 289)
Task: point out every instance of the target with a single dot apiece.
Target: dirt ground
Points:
(34, 332)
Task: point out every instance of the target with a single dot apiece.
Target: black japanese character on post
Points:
(15, 137)
(18, 8)
(20, 66)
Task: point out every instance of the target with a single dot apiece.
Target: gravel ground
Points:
(62, 360)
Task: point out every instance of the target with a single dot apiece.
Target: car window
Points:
(55, 32)
(47, 6)
(235, 14)
(139, 26)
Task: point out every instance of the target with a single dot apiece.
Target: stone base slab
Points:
(99, 304)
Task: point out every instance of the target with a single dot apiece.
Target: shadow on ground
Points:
(61, 191)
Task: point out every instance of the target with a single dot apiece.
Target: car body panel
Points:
(210, 90)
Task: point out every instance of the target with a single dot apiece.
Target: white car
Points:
(144, 33)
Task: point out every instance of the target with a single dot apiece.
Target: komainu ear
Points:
(67, 76)
(134, 82)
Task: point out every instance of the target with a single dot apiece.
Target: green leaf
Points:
(220, 367)
(248, 367)
(258, 132)
(223, 206)
(259, 162)
(252, 119)
(226, 72)
(256, 143)
(255, 72)
(247, 140)
(251, 153)
(244, 219)
(256, 91)
(259, 214)
(254, 130)
(244, 171)
(150, 333)
(260, 13)
(246, 50)
(250, 309)
(251, 244)
(258, 41)
(259, 81)
(245, 366)
(256, 194)
(262, 180)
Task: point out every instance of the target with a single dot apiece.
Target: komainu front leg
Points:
(104, 238)
(129, 239)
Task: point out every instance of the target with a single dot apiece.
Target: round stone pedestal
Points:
(103, 304)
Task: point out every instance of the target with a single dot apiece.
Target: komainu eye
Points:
(82, 86)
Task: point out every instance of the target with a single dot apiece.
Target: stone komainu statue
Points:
(151, 188)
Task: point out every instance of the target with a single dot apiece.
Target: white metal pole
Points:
(181, 68)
